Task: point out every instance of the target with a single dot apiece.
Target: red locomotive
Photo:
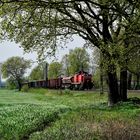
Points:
(80, 81)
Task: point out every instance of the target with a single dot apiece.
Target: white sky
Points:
(9, 49)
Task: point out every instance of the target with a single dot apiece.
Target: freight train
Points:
(79, 81)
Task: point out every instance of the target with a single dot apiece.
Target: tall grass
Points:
(96, 123)
(50, 114)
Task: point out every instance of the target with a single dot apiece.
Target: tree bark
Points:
(123, 85)
(113, 96)
(101, 75)
(129, 80)
(19, 85)
(137, 85)
(101, 83)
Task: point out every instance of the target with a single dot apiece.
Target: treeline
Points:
(77, 59)
(15, 69)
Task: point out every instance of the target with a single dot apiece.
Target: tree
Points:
(41, 24)
(134, 64)
(65, 65)
(15, 68)
(54, 70)
(98, 62)
(78, 60)
(38, 72)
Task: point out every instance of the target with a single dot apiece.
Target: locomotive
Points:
(79, 81)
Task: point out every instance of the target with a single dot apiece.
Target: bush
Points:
(11, 84)
(25, 88)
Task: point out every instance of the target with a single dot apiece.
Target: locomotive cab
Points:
(82, 80)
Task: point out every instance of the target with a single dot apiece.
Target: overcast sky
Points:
(9, 49)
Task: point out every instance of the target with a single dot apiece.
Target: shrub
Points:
(25, 88)
(11, 84)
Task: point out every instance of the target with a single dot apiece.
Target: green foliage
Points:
(96, 78)
(54, 70)
(65, 65)
(133, 62)
(78, 59)
(15, 68)
(11, 84)
(25, 88)
(37, 73)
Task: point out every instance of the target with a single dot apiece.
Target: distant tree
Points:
(97, 59)
(78, 60)
(14, 69)
(134, 64)
(37, 73)
(65, 65)
(54, 70)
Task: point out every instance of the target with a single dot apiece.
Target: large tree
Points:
(42, 24)
(14, 69)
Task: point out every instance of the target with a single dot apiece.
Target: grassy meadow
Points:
(42, 114)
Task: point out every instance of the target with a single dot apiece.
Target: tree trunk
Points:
(113, 96)
(101, 74)
(19, 85)
(123, 85)
(101, 83)
(137, 85)
(129, 80)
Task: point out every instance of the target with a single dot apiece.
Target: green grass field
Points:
(66, 115)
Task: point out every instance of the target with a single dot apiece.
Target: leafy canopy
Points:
(42, 25)
(15, 68)
(54, 70)
(37, 73)
(79, 60)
